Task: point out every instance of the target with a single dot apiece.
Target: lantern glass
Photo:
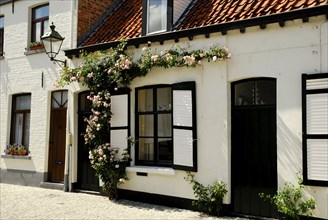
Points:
(52, 42)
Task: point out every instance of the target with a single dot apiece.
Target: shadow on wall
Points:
(20, 172)
(289, 150)
(4, 70)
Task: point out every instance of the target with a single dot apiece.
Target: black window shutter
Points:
(315, 128)
(184, 126)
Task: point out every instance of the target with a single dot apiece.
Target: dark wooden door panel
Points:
(57, 143)
(86, 179)
(254, 159)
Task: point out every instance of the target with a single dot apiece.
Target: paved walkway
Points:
(23, 202)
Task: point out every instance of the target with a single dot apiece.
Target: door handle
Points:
(59, 162)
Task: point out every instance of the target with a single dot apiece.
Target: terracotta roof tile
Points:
(126, 21)
(232, 10)
(122, 23)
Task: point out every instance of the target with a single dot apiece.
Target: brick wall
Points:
(89, 12)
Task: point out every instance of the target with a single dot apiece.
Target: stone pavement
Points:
(23, 202)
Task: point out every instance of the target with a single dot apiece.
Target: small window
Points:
(154, 120)
(315, 128)
(2, 25)
(21, 114)
(157, 16)
(59, 99)
(255, 92)
(166, 126)
(40, 22)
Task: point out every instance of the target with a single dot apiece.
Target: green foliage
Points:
(210, 198)
(109, 164)
(289, 200)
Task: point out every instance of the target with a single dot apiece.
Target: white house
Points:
(256, 120)
(29, 98)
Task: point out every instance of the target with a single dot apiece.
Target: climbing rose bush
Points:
(109, 164)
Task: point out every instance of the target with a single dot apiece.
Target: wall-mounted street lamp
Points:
(52, 42)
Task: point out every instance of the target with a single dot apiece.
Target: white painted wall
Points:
(21, 73)
(282, 53)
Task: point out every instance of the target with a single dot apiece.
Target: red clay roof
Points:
(123, 23)
(208, 12)
(126, 21)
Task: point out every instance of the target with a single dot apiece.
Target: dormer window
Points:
(157, 16)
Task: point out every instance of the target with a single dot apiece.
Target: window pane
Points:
(157, 15)
(145, 100)
(27, 130)
(164, 100)
(146, 148)
(37, 31)
(257, 92)
(18, 128)
(146, 125)
(23, 102)
(165, 149)
(243, 93)
(65, 99)
(45, 26)
(59, 99)
(164, 125)
(266, 92)
(41, 12)
(2, 22)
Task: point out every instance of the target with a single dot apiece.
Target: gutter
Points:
(262, 21)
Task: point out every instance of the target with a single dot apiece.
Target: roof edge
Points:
(206, 30)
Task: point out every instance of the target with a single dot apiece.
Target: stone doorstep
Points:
(49, 185)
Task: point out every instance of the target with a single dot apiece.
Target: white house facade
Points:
(28, 91)
(254, 121)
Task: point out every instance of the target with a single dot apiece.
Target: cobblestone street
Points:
(22, 202)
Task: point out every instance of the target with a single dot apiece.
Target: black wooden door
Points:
(254, 152)
(87, 179)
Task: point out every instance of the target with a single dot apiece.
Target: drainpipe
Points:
(67, 162)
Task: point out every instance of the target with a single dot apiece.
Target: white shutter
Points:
(317, 159)
(317, 113)
(119, 126)
(321, 83)
(184, 126)
(315, 128)
(119, 104)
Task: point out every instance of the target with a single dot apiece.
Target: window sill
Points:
(31, 52)
(152, 170)
(27, 157)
